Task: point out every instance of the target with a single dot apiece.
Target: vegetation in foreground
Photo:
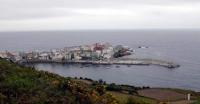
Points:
(198, 101)
(25, 85)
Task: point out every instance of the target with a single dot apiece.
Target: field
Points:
(163, 94)
(123, 98)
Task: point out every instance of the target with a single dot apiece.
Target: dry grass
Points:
(163, 94)
(122, 98)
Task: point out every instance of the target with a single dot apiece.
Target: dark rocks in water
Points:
(173, 66)
(121, 54)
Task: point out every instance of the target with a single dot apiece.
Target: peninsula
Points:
(98, 53)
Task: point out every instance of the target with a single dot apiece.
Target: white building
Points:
(44, 56)
(57, 56)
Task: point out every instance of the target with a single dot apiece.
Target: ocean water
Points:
(180, 46)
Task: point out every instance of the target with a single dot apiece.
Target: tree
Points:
(100, 81)
(100, 89)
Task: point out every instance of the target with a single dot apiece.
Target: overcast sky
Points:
(18, 15)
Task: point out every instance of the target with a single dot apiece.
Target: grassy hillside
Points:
(24, 85)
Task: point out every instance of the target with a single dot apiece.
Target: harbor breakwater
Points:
(121, 61)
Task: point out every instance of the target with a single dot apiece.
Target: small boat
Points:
(143, 47)
(87, 65)
(117, 66)
(96, 65)
(128, 65)
(107, 67)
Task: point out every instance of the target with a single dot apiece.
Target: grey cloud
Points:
(86, 3)
(34, 13)
(44, 8)
(101, 13)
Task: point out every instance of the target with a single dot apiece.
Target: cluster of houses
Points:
(97, 51)
(10, 56)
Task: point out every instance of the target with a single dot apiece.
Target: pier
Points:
(136, 61)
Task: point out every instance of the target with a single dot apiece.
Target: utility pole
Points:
(188, 98)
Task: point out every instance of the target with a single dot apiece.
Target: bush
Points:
(198, 101)
(113, 87)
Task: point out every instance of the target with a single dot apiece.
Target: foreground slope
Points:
(25, 85)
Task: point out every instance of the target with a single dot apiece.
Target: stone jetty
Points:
(112, 62)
